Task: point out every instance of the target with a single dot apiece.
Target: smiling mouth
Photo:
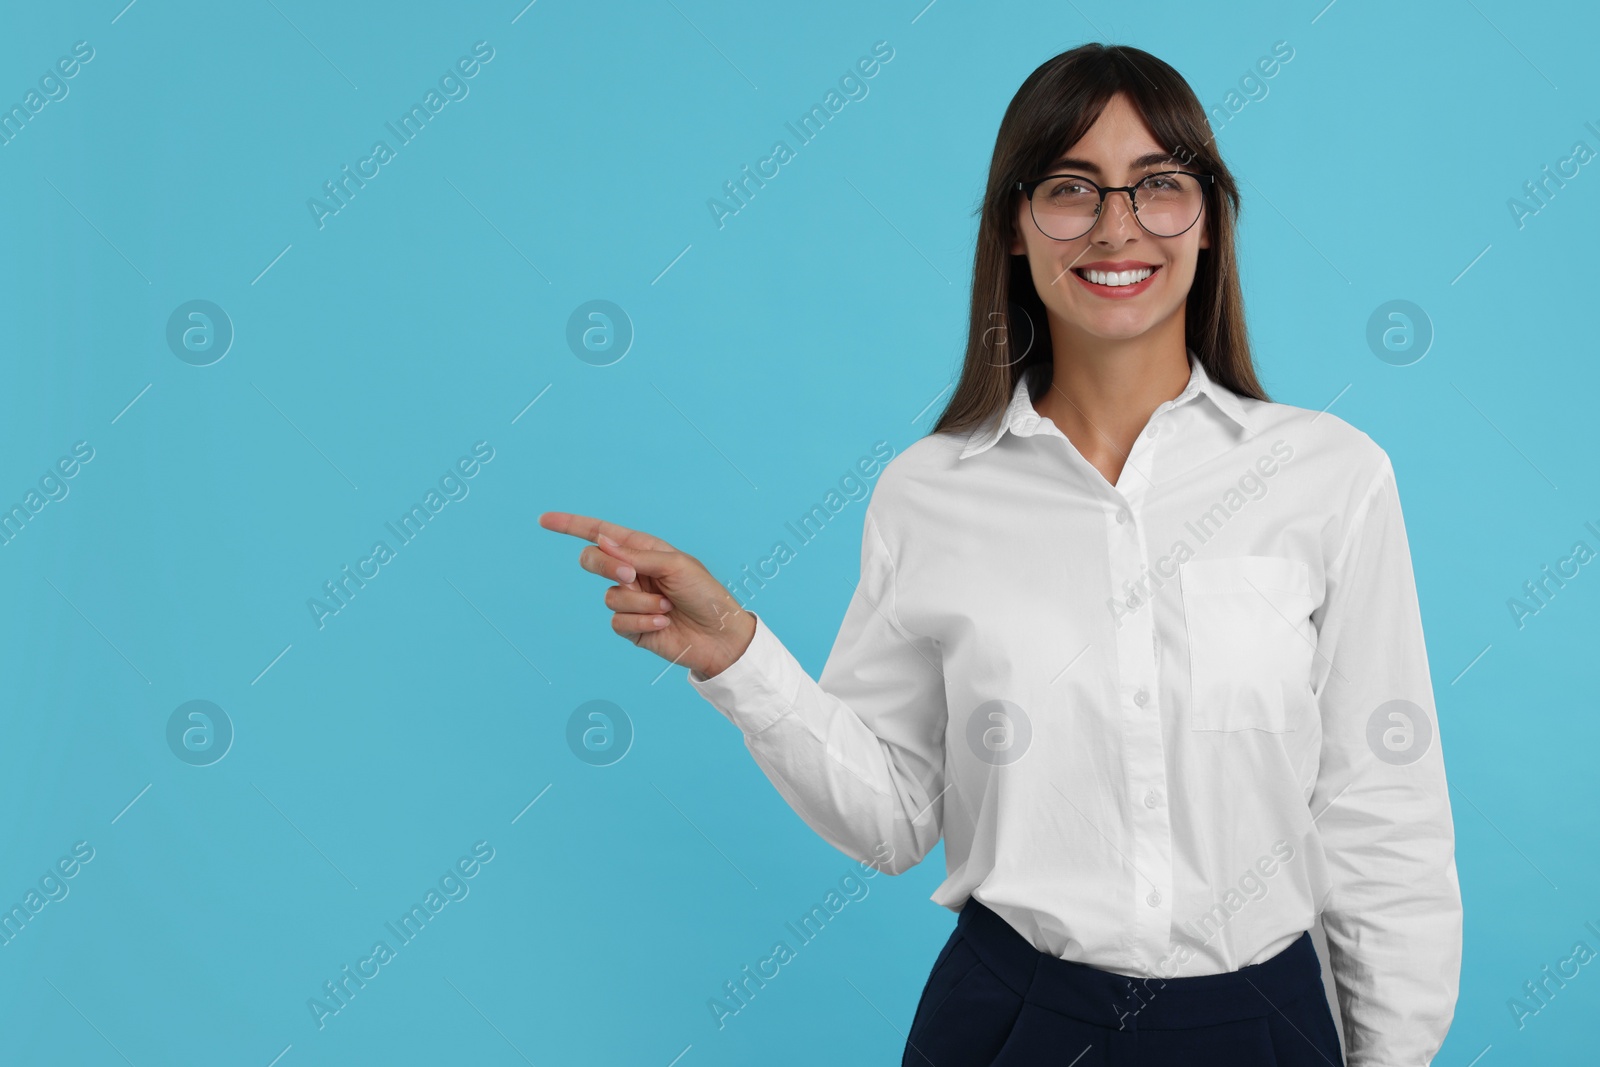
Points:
(1115, 279)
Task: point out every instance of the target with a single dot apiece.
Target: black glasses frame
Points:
(1206, 181)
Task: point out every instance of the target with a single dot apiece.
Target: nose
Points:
(1116, 221)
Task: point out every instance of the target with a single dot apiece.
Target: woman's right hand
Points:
(664, 600)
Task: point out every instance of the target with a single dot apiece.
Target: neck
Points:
(1102, 392)
(1112, 384)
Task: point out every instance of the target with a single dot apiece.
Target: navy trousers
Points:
(994, 1000)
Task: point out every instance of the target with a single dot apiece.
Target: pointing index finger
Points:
(590, 528)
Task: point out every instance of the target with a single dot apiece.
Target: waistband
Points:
(1119, 1001)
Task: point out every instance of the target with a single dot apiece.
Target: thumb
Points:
(646, 562)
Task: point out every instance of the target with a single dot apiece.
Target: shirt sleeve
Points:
(1381, 805)
(858, 754)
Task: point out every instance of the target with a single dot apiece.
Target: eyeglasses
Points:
(1165, 204)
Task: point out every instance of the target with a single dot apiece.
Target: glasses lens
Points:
(1065, 206)
(1169, 203)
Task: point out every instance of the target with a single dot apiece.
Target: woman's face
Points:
(1110, 154)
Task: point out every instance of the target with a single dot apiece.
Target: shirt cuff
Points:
(758, 688)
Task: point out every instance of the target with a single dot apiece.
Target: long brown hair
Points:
(1008, 332)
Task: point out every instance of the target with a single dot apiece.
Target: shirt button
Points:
(1153, 899)
(1141, 698)
(1151, 799)
(1123, 515)
(1133, 600)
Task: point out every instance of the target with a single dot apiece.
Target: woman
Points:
(1140, 645)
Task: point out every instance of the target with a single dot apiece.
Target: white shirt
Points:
(1151, 721)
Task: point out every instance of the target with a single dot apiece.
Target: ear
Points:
(1019, 217)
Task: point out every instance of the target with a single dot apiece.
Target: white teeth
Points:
(1115, 278)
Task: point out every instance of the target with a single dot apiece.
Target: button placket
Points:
(1150, 848)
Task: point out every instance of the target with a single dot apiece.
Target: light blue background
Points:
(826, 316)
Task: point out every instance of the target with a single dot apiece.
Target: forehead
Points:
(1120, 139)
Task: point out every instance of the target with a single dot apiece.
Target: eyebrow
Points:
(1146, 160)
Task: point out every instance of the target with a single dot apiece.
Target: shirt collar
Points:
(1022, 419)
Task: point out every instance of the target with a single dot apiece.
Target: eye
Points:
(1066, 188)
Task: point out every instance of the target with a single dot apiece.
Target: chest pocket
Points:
(1251, 642)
